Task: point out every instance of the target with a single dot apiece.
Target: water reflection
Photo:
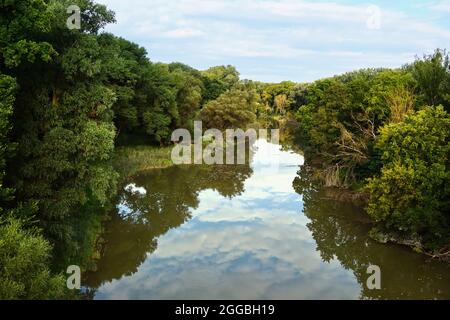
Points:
(341, 230)
(243, 232)
(154, 203)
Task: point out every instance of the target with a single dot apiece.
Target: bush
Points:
(411, 195)
(24, 257)
(234, 109)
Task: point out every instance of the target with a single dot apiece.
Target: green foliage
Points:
(411, 193)
(234, 109)
(65, 96)
(342, 115)
(62, 114)
(432, 75)
(155, 98)
(130, 160)
(24, 258)
(22, 23)
(152, 98)
(388, 89)
(366, 124)
(190, 89)
(7, 91)
(161, 111)
(24, 253)
(94, 16)
(217, 80)
(279, 98)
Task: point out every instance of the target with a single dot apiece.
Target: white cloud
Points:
(236, 261)
(324, 37)
(183, 33)
(442, 6)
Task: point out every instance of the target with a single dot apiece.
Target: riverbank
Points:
(355, 194)
(244, 225)
(127, 161)
(130, 160)
(360, 199)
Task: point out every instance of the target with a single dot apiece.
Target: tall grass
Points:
(133, 159)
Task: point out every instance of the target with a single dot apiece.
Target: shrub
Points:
(233, 109)
(411, 194)
(24, 257)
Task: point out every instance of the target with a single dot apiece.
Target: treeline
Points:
(386, 133)
(57, 136)
(66, 98)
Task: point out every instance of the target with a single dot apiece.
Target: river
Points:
(247, 232)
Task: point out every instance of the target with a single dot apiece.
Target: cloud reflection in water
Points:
(253, 246)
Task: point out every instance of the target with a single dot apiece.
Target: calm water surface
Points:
(258, 231)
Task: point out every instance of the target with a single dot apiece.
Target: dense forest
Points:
(385, 133)
(68, 98)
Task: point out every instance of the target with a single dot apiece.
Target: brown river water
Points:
(243, 232)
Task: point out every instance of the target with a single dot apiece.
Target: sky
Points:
(278, 40)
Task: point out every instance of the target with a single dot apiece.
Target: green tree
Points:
(159, 108)
(410, 196)
(190, 91)
(24, 253)
(234, 109)
(22, 23)
(279, 98)
(62, 114)
(125, 78)
(24, 259)
(7, 95)
(217, 80)
(342, 115)
(432, 74)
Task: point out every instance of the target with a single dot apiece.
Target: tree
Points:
(342, 116)
(432, 75)
(217, 80)
(189, 93)
(159, 106)
(24, 259)
(298, 95)
(22, 22)
(278, 97)
(24, 253)
(281, 102)
(125, 78)
(8, 88)
(233, 109)
(410, 196)
(62, 113)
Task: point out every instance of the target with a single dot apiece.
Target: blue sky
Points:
(276, 40)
